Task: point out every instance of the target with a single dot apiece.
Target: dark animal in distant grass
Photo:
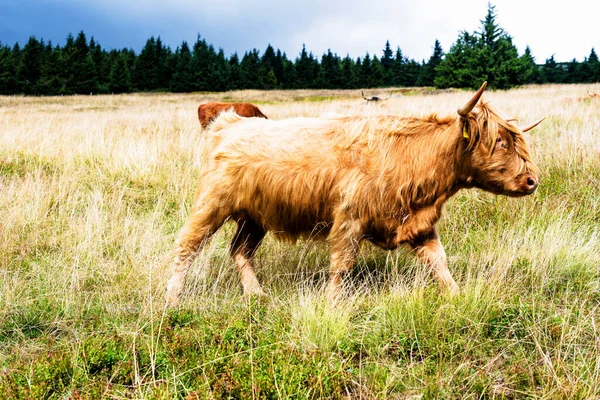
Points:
(374, 98)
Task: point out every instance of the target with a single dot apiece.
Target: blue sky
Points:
(567, 29)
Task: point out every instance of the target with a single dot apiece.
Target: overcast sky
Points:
(566, 29)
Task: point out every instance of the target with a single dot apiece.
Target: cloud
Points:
(346, 27)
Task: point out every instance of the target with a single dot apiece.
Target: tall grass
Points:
(94, 189)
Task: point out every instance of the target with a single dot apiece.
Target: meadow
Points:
(93, 190)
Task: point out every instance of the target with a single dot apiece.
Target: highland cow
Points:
(209, 111)
(383, 179)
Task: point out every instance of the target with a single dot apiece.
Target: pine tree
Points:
(398, 69)
(377, 73)
(349, 80)
(235, 72)
(145, 73)
(268, 64)
(204, 63)
(250, 68)
(84, 71)
(574, 72)
(50, 82)
(329, 73)
(594, 67)
(101, 66)
(8, 69)
(427, 76)
(457, 69)
(553, 71)
(413, 71)
(530, 71)
(386, 62)
(364, 73)
(29, 70)
(289, 73)
(307, 70)
(183, 76)
(220, 75)
(487, 55)
(120, 77)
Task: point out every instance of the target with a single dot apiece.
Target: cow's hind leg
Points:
(199, 227)
(344, 240)
(246, 240)
(430, 251)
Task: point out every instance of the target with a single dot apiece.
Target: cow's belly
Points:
(384, 233)
(290, 221)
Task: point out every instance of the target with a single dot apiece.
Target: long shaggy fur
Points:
(381, 178)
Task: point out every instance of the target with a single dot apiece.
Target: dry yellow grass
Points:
(94, 189)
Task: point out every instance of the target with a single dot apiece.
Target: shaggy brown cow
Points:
(382, 178)
(209, 111)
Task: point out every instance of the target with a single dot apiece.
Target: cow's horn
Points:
(466, 109)
(530, 127)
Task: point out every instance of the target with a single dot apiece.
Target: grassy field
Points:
(94, 189)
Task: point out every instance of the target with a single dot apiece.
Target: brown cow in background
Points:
(209, 111)
(382, 178)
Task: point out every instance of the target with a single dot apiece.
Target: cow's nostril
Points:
(530, 181)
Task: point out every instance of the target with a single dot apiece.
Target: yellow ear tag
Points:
(465, 132)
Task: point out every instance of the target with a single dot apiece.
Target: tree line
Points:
(83, 67)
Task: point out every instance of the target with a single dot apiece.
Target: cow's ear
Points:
(465, 130)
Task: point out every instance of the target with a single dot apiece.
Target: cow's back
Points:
(210, 111)
(284, 177)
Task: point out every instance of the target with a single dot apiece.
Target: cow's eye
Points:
(498, 139)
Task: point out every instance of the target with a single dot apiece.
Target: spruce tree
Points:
(289, 73)
(553, 71)
(29, 70)
(427, 76)
(398, 69)
(458, 69)
(183, 76)
(386, 62)
(220, 75)
(365, 74)
(307, 70)
(594, 67)
(377, 73)
(329, 73)
(101, 66)
(84, 69)
(145, 76)
(487, 55)
(204, 62)
(120, 77)
(413, 70)
(8, 69)
(235, 72)
(268, 79)
(268, 64)
(250, 68)
(530, 71)
(349, 79)
(50, 82)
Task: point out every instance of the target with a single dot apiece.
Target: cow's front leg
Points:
(344, 240)
(430, 251)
